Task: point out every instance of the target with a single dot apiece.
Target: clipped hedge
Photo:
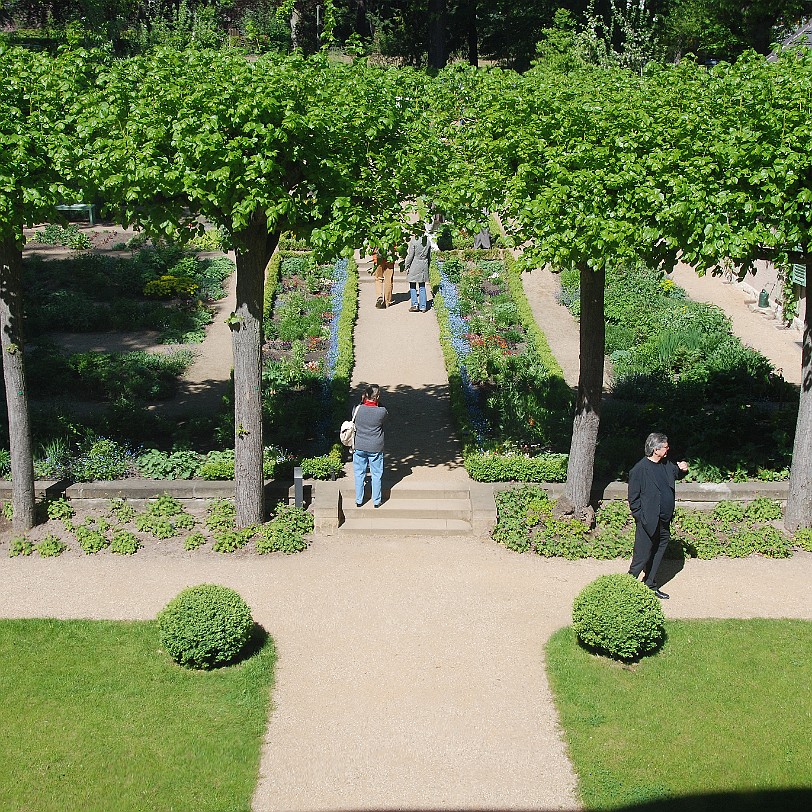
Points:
(205, 626)
(489, 467)
(619, 616)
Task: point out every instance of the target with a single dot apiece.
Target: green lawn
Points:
(94, 716)
(726, 706)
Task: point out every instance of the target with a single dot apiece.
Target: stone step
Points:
(382, 526)
(399, 507)
(410, 493)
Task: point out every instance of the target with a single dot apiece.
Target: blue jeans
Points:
(413, 288)
(359, 467)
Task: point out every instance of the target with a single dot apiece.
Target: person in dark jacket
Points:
(369, 421)
(651, 501)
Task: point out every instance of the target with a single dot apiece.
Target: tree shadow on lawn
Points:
(779, 800)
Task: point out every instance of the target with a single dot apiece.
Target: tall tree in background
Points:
(36, 163)
(723, 29)
(438, 54)
(326, 151)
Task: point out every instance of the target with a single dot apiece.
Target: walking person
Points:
(651, 501)
(418, 258)
(370, 417)
(384, 269)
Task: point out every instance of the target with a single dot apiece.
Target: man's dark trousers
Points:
(649, 550)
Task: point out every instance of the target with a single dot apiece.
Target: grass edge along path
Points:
(95, 716)
(724, 707)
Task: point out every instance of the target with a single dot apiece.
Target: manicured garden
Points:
(96, 717)
(723, 707)
(510, 401)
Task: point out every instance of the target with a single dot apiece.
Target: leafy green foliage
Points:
(618, 616)
(516, 467)
(50, 546)
(102, 459)
(168, 465)
(220, 515)
(91, 536)
(60, 509)
(328, 466)
(193, 541)
(122, 510)
(124, 542)
(286, 531)
(205, 626)
(231, 540)
(20, 545)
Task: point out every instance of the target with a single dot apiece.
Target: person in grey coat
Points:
(417, 262)
(369, 418)
(651, 501)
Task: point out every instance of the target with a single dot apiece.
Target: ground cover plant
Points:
(678, 366)
(527, 521)
(126, 527)
(97, 717)
(727, 708)
(508, 395)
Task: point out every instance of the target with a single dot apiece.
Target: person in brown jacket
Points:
(384, 267)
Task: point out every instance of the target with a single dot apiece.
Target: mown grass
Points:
(96, 717)
(726, 706)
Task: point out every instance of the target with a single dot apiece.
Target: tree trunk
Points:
(437, 49)
(19, 425)
(296, 27)
(799, 501)
(254, 249)
(590, 390)
(473, 35)
(361, 22)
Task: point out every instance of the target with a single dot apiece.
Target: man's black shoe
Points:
(379, 304)
(663, 596)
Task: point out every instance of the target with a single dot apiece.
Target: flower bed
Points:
(509, 398)
(306, 351)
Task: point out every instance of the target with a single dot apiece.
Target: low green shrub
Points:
(20, 546)
(124, 542)
(205, 626)
(122, 510)
(7, 510)
(491, 467)
(217, 465)
(618, 616)
(803, 539)
(328, 466)
(60, 509)
(231, 540)
(763, 510)
(221, 514)
(5, 463)
(50, 546)
(157, 464)
(286, 531)
(160, 527)
(193, 541)
(92, 539)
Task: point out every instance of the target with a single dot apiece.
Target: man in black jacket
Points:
(651, 500)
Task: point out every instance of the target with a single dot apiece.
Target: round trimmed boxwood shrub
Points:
(619, 616)
(205, 626)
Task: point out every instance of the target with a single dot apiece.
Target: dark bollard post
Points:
(298, 487)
